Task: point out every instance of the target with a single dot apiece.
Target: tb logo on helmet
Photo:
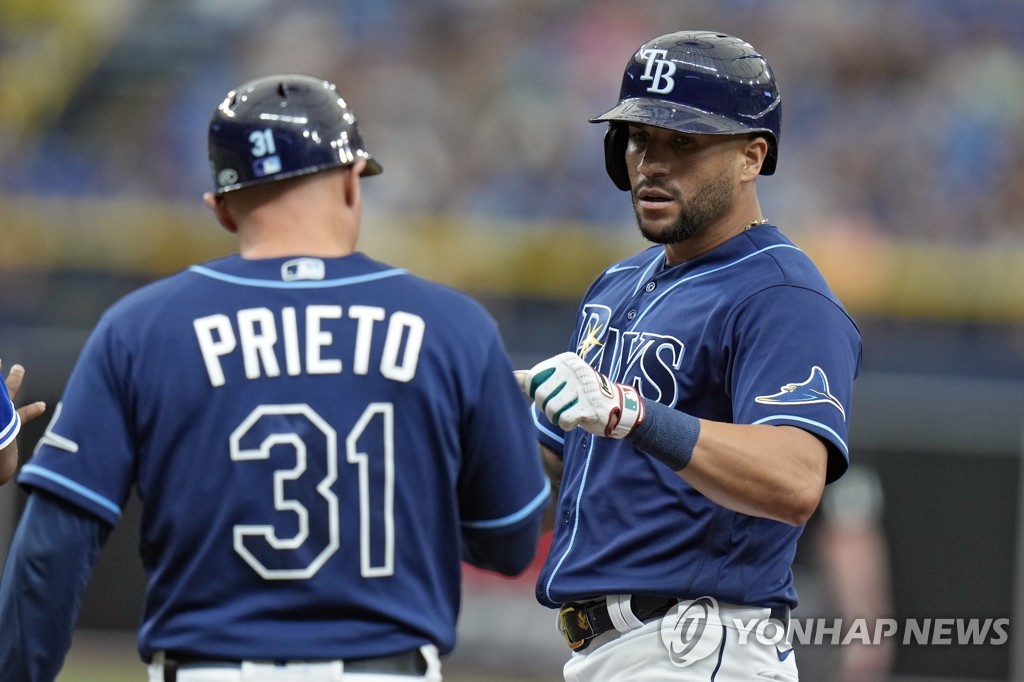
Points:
(725, 88)
(659, 70)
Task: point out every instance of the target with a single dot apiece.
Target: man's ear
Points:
(218, 205)
(755, 154)
(353, 193)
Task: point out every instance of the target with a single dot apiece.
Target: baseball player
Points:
(317, 439)
(11, 419)
(704, 400)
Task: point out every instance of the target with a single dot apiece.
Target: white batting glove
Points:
(572, 394)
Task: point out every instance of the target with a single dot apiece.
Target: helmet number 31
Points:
(262, 142)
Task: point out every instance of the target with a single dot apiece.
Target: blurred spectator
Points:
(845, 576)
(907, 112)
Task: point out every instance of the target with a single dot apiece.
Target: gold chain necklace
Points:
(755, 223)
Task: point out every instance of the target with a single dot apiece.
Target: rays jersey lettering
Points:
(645, 360)
(659, 71)
(258, 333)
(649, 362)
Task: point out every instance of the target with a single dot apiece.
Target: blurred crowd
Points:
(902, 118)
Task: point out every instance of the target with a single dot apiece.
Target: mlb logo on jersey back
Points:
(303, 269)
(266, 166)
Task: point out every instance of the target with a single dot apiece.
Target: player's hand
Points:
(572, 394)
(14, 380)
(9, 453)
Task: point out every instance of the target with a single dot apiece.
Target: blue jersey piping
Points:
(575, 523)
(542, 427)
(74, 487)
(704, 273)
(788, 417)
(531, 507)
(306, 284)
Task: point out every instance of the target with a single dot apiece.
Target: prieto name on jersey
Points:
(256, 334)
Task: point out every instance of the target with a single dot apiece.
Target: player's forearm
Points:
(775, 472)
(8, 461)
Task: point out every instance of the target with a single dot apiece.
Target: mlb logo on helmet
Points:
(268, 165)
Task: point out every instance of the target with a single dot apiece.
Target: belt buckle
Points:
(575, 625)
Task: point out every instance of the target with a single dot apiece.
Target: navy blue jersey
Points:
(748, 333)
(316, 443)
(10, 423)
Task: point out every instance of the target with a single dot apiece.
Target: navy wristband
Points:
(667, 434)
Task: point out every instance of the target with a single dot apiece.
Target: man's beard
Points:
(708, 204)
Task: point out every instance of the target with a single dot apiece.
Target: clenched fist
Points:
(571, 394)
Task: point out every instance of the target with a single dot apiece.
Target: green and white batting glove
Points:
(572, 394)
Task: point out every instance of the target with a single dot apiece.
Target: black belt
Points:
(410, 663)
(582, 622)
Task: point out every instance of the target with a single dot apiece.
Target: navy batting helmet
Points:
(280, 127)
(695, 82)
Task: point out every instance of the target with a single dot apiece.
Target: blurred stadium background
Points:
(901, 171)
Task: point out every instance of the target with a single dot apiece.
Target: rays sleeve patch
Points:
(813, 390)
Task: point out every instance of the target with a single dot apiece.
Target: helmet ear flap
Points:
(615, 139)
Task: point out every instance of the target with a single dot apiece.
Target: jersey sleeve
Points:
(795, 353)
(86, 455)
(48, 565)
(502, 488)
(10, 423)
